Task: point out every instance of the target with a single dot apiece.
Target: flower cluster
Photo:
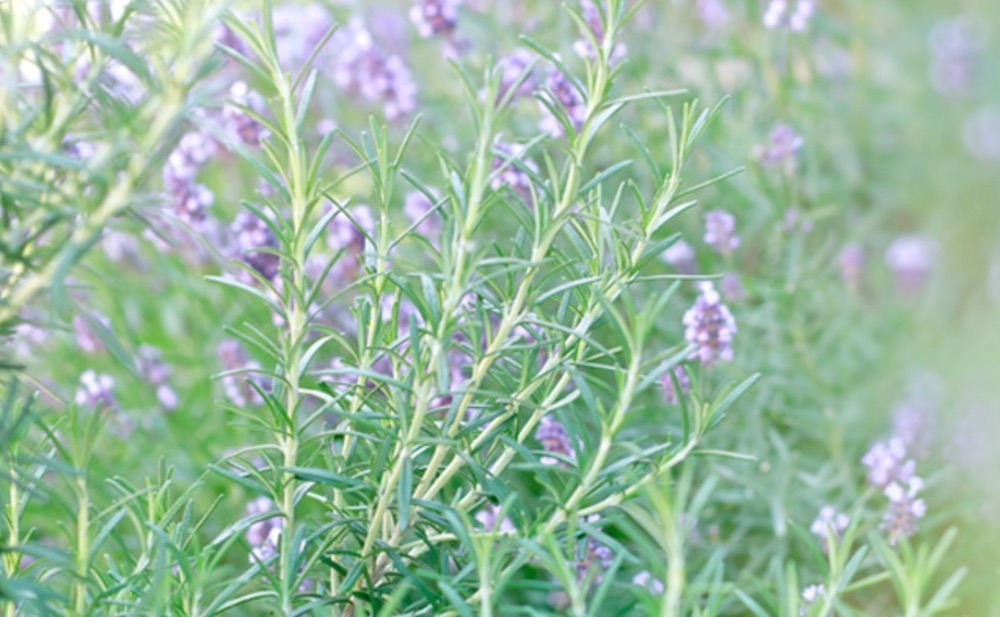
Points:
(552, 435)
(434, 17)
(489, 518)
(782, 148)
(237, 120)
(509, 164)
(263, 535)
(720, 231)
(810, 595)
(592, 558)
(189, 200)
(96, 390)
(238, 390)
(515, 70)
(562, 93)
(710, 326)
(680, 256)
(779, 15)
(891, 471)
(583, 47)
(253, 243)
(156, 372)
(361, 69)
(648, 582)
(828, 523)
(669, 391)
(910, 258)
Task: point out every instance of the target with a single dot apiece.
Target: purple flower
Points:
(712, 13)
(957, 46)
(263, 535)
(851, 262)
(781, 150)
(592, 558)
(362, 69)
(253, 239)
(669, 391)
(648, 582)
(434, 17)
(509, 164)
(513, 69)
(552, 435)
(233, 357)
(237, 122)
(560, 92)
(777, 15)
(830, 523)
(710, 326)
(886, 463)
(720, 231)
(420, 210)
(87, 340)
(95, 390)
(298, 29)
(680, 255)
(732, 288)
(905, 509)
(583, 47)
(910, 258)
(488, 517)
(810, 595)
(156, 372)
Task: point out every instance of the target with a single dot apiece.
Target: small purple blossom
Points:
(420, 211)
(911, 258)
(851, 263)
(435, 17)
(782, 148)
(778, 15)
(552, 435)
(85, 336)
(710, 326)
(233, 357)
(96, 390)
(648, 582)
(253, 241)
(712, 13)
(237, 122)
(732, 288)
(509, 164)
(515, 69)
(905, 509)
(298, 29)
(810, 595)
(583, 47)
(561, 93)
(152, 368)
(360, 68)
(957, 47)
(886, 463)
(720, 231)
(592, 558)
(829, 522)
(263, 535)
(669, 391)
(489, 518)
(680, 256)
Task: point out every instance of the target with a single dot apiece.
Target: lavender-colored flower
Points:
(360, 68)
(782, 148)
(190, 201)
(830, 523)
(669, 391)
(592, 558)
(87, 340)
(298, 29)
(509, 164)
(489, 518)
(680, 256)
(560, 92)
(712, 13)
(810, 595)
(886, 463)
(233, 357)
(583, 47)
(516, 69)
(720, 231)
(95, 390)
(648, 582)
(710, 326)
(252, 237)
(732, 288)
(263, 535)
(237, 122)
(27, 336)
(435, 17)
(957, 46)
(913, 418)
(552, 435)
(420, 210)
(905, 509)
(156, 372)
(851, 263)
(777, 15)
(911, 257)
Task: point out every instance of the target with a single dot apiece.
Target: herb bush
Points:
(497, 308)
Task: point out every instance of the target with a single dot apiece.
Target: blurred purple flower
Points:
(237, 387)
(152, 368)
(298, 29)
(712, 13)
(777, 14)
(420, 210)
(252, 239)
(851, 262)
(508, 168)
(710, 326)
(957, 46)
(87, 340)
(362, 69)
(669, 391)
(237, 122)
(552, 435)
(911, 257)
(263, 535)
(720, 231)
(782, 148)
(515, 68)
(732, 288)
(886, 463)
(583, 47)
(593, 558)
(561, 93)
(905, 509)
(435, 17)
(648, 582)
(830, 522)
(488, 517)
(680, 255)
(95, 390)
